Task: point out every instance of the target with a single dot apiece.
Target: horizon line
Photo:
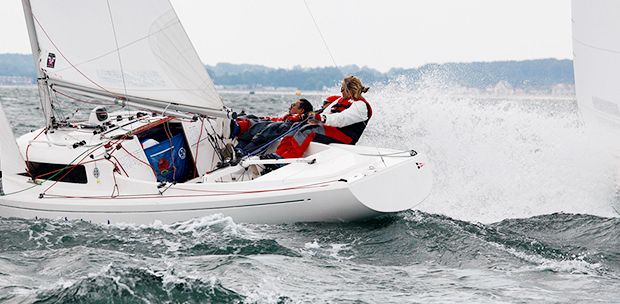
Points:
(365, 66)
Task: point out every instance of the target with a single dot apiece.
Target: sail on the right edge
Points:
(596, 48)
(134, 48)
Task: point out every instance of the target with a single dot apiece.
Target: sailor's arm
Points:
(357, 112)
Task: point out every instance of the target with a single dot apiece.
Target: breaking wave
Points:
(495, 156)
(216, 260)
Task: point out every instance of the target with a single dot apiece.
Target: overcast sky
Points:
(375, 33)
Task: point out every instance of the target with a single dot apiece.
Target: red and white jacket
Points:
(348, 115)
(345, 112)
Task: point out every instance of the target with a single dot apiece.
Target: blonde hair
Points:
(354, 86)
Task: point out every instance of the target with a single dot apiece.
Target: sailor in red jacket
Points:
(298, 111)
(342, 121)
(253, 133)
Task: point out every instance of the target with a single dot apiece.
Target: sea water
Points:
(520, 212)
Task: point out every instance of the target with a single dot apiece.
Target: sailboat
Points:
(596, 62)
(164, 154)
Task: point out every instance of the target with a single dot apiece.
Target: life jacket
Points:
(288, 117)
(355, 130)
(329, 100)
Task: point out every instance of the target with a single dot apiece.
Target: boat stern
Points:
(397, 187)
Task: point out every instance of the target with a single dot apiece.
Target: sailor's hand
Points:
(315, 118)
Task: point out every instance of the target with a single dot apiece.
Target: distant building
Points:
(16, 80)
(563, 89)
(502, 88)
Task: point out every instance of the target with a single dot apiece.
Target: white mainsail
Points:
(596, 50)
(122, 48)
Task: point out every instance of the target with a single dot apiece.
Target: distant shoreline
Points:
(540, 74)
(566, 94)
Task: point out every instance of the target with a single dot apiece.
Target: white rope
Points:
(410, 153)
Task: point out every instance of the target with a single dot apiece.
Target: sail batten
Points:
(136, 48)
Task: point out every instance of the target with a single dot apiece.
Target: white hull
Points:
(337, 204)
(395, 183)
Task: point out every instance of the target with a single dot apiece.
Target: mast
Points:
(44, 95)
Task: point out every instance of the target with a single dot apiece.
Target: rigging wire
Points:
(72, 166)
(120, 61)
(202, 123)
(74, 66)
(58, 112)
(316, 25)
(213, 139)
(64, 57)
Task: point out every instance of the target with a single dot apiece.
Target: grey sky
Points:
(379, 34)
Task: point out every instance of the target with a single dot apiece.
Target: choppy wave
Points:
(216, 235)
(520, 212)
(218, 261)
(137, 285)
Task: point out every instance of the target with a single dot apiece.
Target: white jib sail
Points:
(125, 47)
(11, 160)
(596, 49)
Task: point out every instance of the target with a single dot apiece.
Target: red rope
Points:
(64, 168)
(146, 164)
(319, 184)
(113, 143)
(117, 165)
(81, 162)
(28, 148)
(63, 56)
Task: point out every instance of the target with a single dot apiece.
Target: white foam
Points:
(495, 157)
(573, 265)
(332, 250)
(312, 245)
(216, 223)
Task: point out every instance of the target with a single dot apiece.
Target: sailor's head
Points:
(300, 106)
(352, 87)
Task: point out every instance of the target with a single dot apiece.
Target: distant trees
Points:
(303, 78)
(17, 65)
(519, 74)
